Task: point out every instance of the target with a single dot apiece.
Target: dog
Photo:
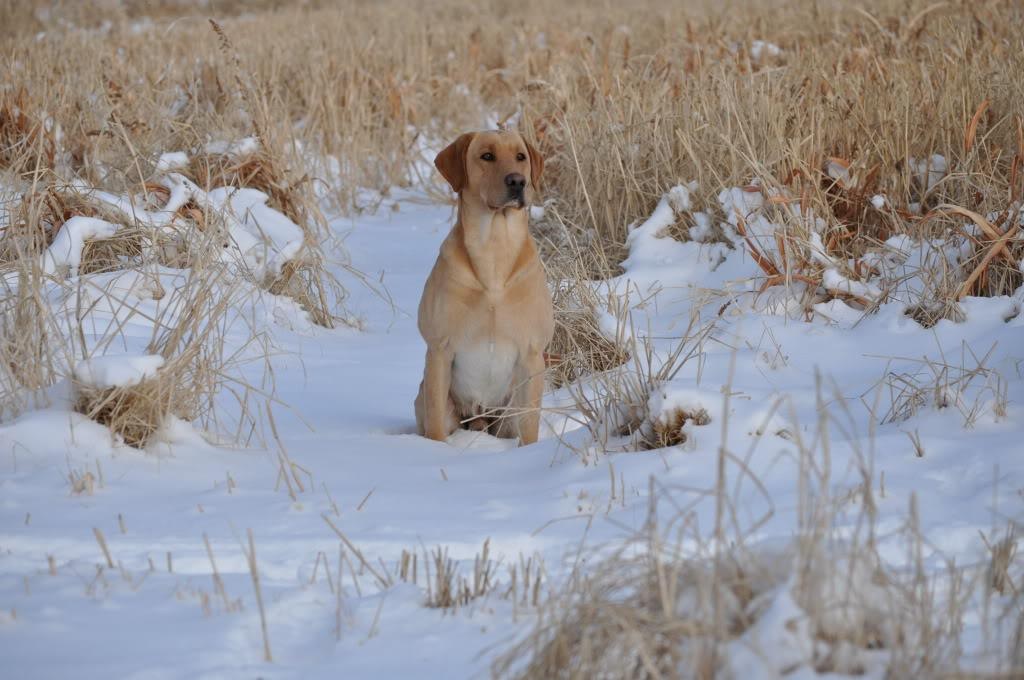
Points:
(486, 313)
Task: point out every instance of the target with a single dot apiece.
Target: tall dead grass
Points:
(623, 101)
(449, 589)
(821, 105)
(682, 599)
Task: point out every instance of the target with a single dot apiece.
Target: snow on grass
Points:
(181, 191)
(64, 255)
(264, 237)
(260, 237)
(169, 162)
(837, 619)
(761, 48)
(834, 281)
(929, 171)
(652, 249)
(113, 370)
(238, 147)
(674, 412)
(677, 200)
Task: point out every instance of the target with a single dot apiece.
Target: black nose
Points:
(515, 182)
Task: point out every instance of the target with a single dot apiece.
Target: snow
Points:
(839, 170)
(778, 642)
(667, 403)
(181, 190)
(613, 329)
(652, 250)
(65, 253)
(800, 626)
(260, 238)
(175, 160)
(239, 147)
(264, 237)
(344, 417)
(832, 280)
(759, 48)
(113, 370)
(929, 171)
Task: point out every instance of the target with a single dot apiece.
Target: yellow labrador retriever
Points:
(486, 309)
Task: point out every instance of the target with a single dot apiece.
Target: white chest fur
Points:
(482, 374)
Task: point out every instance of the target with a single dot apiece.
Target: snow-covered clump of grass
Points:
(122, 392)
(88, 270)
(183, 369)
(627, 406)
(114, 370)
(672, 415)
(65, 253)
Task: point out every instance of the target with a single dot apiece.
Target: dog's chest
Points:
(482, 372)
(492, 244)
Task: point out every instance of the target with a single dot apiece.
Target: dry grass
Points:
(1003, 554)
(658, 609)
(58, 161)
(963, 383)
(582, 344)
(81, 482)
(197, 371)
(27, 327)
(623, 102)
(117, 151)
(133, 413)
(615, 403)
(449, 589)
(675, 601)
(667, 428)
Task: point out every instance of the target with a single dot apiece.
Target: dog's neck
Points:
(493, 240)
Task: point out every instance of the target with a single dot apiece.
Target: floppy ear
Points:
(536, 165)
(451, 162)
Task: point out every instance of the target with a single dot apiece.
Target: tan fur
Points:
(486, 311)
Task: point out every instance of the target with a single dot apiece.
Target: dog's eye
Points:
(488, 156)
(520, 156)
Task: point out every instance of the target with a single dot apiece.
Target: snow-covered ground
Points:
(160, 612)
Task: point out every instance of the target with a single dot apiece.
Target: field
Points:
(781, 433)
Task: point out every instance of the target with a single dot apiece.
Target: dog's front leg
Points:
(530, 393)
(437, 381)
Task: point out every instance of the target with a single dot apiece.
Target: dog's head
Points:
(498, 169)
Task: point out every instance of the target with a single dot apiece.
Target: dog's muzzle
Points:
(516, 184)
